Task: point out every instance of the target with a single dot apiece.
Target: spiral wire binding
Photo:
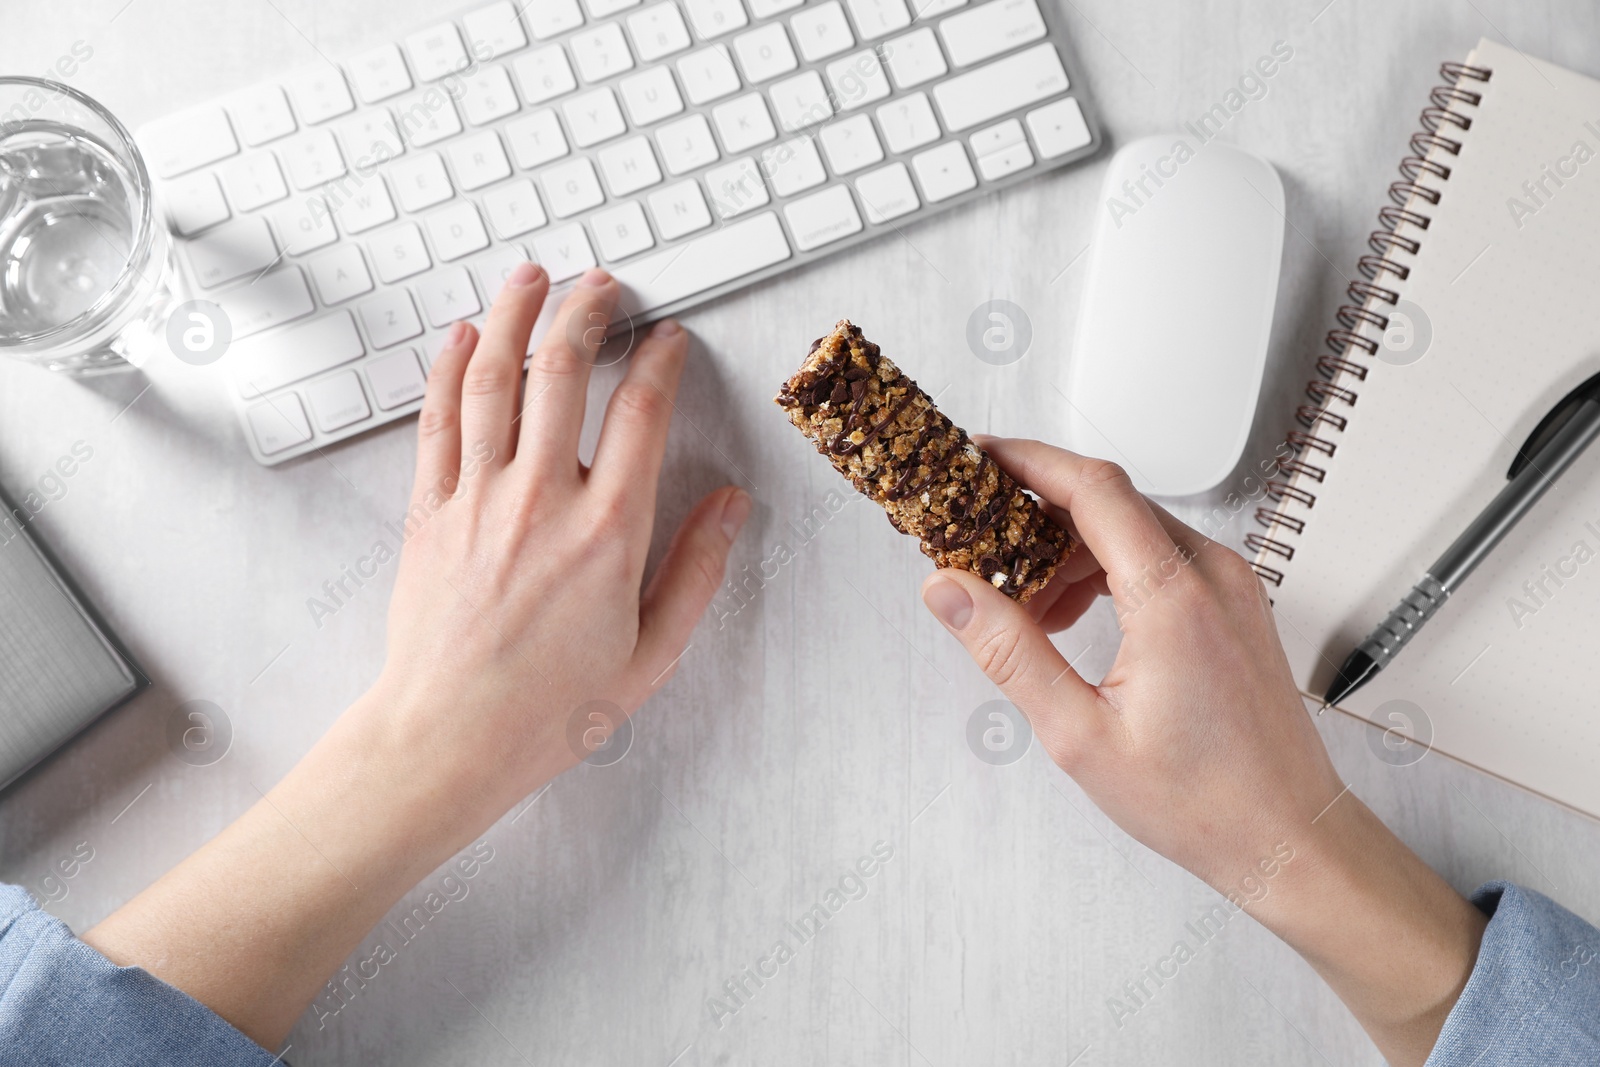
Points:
(1349, 346)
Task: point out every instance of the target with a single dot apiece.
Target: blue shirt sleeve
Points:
(1534, 995)
(62, 1004)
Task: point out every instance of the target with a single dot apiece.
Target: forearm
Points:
(253, 923)
(1387, 934)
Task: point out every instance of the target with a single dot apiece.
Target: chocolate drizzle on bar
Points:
(881, 431)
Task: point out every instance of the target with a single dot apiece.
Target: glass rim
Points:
(93, 317)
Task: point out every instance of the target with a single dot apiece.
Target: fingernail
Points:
(666, 328)
(457, 334)
(523, 275)
(594, 277)
(949, 603)
(735, 512)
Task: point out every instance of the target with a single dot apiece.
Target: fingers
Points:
(439, 424)
(1115, 521)
(489, 390)
(634, 436)
(558, 374)
(689, 576)
(1012, 649)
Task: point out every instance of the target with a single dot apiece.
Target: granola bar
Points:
(883, 433)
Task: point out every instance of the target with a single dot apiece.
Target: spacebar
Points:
(703, 263)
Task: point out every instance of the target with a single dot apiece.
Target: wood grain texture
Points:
(624, 897)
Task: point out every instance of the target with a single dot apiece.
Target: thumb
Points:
(1014, 651)
(689, 576)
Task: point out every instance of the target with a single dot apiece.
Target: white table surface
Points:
(827, 715)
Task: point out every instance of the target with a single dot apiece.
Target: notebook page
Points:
(1508, 671)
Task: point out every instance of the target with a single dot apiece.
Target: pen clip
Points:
(1551, 424)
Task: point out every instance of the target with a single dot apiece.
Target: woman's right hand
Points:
(1198, 743)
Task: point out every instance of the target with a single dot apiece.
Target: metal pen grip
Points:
(1402, 624)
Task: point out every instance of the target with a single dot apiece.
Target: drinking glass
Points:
(86, 272)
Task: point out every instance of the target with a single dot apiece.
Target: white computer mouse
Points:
(1177, 307)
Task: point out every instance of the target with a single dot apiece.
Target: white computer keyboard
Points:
(345, 217)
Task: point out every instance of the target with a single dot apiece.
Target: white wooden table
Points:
(827, 714)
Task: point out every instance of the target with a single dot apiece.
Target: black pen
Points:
(1555, 443)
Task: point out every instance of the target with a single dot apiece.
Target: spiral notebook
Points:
(1473, 314)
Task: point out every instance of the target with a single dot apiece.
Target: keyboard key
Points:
(398, 252)
(650, 96)
(536, 139)
(369, 137)
(822, 218)
(765, 9)
(629, 166)
(547, 18)
(544, 74)
(338, 401)
(319, 94)
(195, 202)
(793, 166)
(822, 31)
(800, 101)
(312, 158)
(874, 18)
(915, 58)
(436, 51)
(390, 317)
(944, 171)
(340, 273)
(1000, 150)
(396, 379)
(379, 73)
(421, 182)
(686, 144)
(887, 193)
(658, 31)
(232, 250)
(179, 144)
(1058, 128)
(427, 118)
(571, 187)
(564, 252)
(622, 231)
(593, 117)
(271, 300)
(457, 231)
(261, 115)
(303, 224)
(908, 123)
(599, 9)
(253, 180)
(764, 53)
(708, 74)
(989, 29)
(365, 206)
(679, 209)
(851, 144)
(513, 209)
(703, 263)
(447, 296)
(271, 361)
(495, 267)
(743, 123)
(858, 80)
(928, 9)
(600, 52)
(487, 95)
(478, 160)
(986, 93)
(713, 18)
(495, 30)
(279, 424)
(736, 187)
